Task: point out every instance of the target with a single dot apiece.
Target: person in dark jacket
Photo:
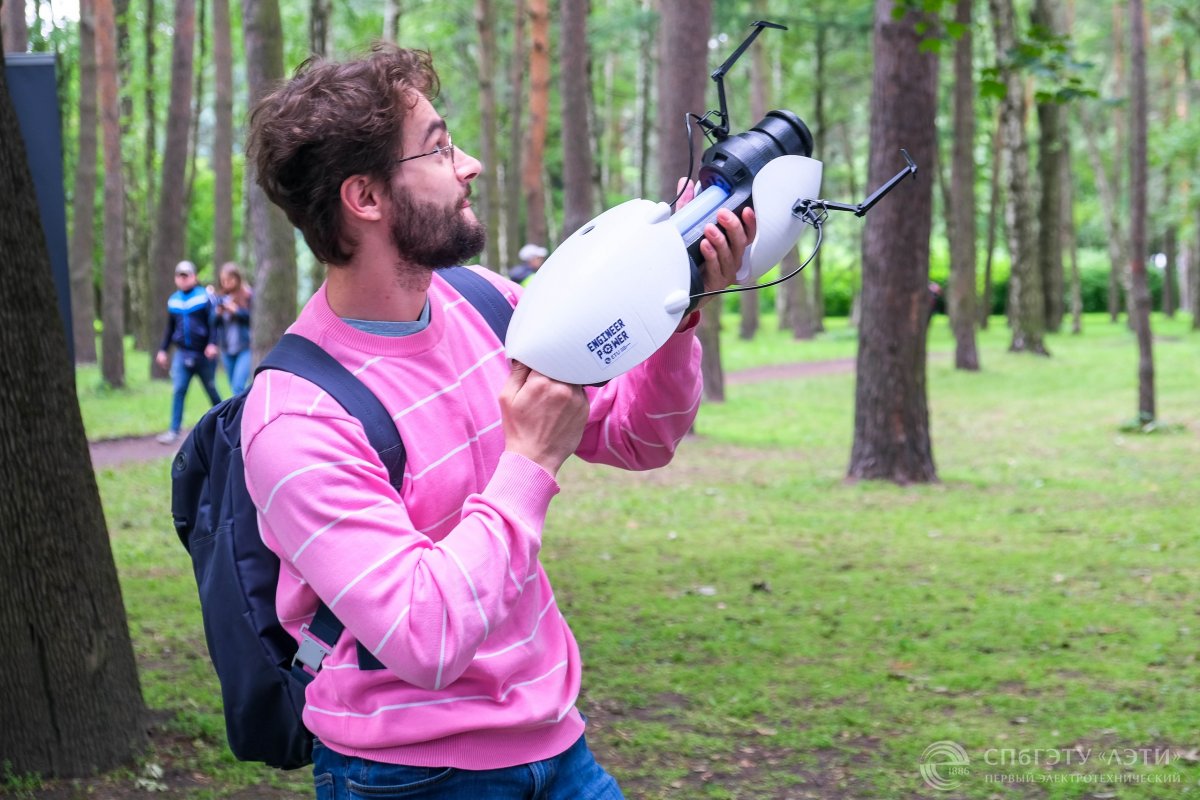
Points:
(189, 311)
(231, 325)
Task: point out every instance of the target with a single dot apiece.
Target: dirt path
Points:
(137, 449)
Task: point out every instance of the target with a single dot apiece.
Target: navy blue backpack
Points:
(259, 665)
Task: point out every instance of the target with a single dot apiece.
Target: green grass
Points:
(753, 626)
(142, 406)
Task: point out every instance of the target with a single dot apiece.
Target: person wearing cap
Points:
(531, 256)
(189, 310)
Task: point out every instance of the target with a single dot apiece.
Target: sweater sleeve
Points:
(422, 607)
(638, 419)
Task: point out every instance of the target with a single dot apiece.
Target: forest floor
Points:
(107, 453)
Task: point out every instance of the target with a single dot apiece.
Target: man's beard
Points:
(434, 237)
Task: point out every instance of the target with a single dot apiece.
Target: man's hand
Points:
(722, 252)
(160, 358)
(543, 418)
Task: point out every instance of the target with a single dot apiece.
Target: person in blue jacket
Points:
(189, 311)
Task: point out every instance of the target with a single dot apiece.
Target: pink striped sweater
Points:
(441, 582)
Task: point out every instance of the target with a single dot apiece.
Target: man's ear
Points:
(362, 197)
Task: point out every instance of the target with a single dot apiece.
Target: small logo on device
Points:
(608, 346)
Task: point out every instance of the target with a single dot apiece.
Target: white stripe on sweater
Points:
(455, 451)
(342, 518)
(320, 465)
(526, 640)
(456, 385)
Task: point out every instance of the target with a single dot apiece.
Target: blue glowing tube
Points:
(700, 209)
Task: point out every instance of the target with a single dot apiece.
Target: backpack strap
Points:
(305, 358)
(481, 293)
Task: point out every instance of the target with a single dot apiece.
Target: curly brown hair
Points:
(329, 122)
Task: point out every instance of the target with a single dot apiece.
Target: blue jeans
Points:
(573, 775)
(237, 367)
(185, 364)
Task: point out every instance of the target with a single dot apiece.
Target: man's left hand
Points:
(722, 252)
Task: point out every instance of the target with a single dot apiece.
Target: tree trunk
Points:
(1117, 278)
(83, 203)
(113, 304)
(645, 100)
(576, 93)
(69, 693)
(1026, 293)
(748, 301)
(485, 22)
(961, 213)
(516, 114)
(819, 132)
(319, 12)
(169, 229)
(1140, 307)
(1050, 154)
(222, 157)
(274, 248)
(1070, 240)
(16, 35)
(891, 416)
(1171, 251)
(985, 311)
(141, 291)
(1116, 240)
(682, 80)
(197, 107)
(539, 113)
(392, 12)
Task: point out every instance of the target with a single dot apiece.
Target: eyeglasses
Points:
(444, 150)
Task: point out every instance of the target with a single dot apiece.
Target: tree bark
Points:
(271, 233)
(516, 119)
(891, 416)
(392, 12)
(819, 131)
(113, 304)
(1070, 240)
(167, 249)
(319, 12)
(1140, 308)
(576, 93)
(985, 311)
(83, 202)
(15, 38)
(69, 694)
(1051, 137)
(645, 99)
(748, 301)
(485, 23)
(1117, 278)
(222, 157)
(1026, 293)
(961, 213)
(197, 106)
(682, 79)
(539, 113)
(141, 291)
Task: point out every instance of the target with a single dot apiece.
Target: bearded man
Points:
(440, 580)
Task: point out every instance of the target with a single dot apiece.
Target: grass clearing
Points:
(754, 627)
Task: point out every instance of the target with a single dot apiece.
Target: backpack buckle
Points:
(312, 651)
